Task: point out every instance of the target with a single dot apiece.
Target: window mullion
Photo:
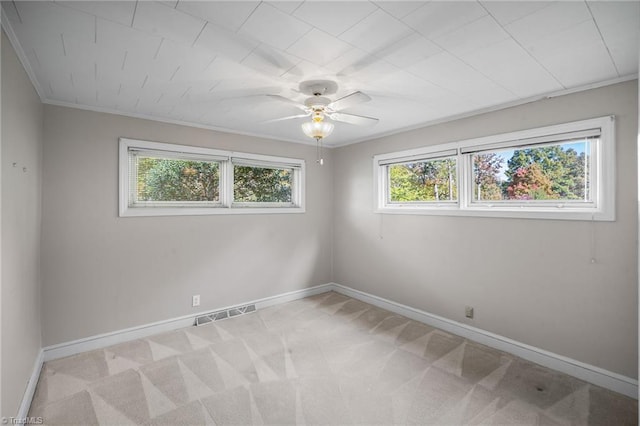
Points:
(596, 169)
(386, 182)
(299, 183)
(133, 167)
(228, 183)
(464, 168)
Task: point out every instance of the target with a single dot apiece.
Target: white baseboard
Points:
(589, 373)
(107, 339)
(30, 391)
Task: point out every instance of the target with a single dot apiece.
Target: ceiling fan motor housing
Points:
(317, 102)
(318, 87)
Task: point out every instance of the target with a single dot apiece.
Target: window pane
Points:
(557, 172)
(170, 179)
(423, 181)
(254, 184)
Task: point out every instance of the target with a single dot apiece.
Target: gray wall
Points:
(21, 194)
(529, 280)
(103, 273)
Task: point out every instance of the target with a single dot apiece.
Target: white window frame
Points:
(602, 207)
(437, 152)
(226, 203)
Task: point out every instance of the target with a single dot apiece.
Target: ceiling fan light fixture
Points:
(319, 107)
(317, 129)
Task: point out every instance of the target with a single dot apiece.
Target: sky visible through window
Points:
(557, 171)
(506, 155)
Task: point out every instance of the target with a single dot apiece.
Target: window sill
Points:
(505, 212)
(205, 211)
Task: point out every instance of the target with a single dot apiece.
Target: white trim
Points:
(8, 29)
(207, 211)
(30, 391)
(486, 110)
(99, 341)
(141, 116)
(367, 138)
(503, 142)
(451, 148)
(589, 373)
(427, 155)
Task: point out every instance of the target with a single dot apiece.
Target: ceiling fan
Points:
(318, 103)
(318, 106)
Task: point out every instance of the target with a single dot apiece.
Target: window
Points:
(429, 180)
(556, 172)
(255, 184)
(159, 179)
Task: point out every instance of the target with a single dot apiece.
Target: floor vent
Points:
(228, 313)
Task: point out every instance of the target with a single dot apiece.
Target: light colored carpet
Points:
(326, 359)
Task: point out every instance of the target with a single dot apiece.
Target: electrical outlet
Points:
(468, 311)
(195, 300)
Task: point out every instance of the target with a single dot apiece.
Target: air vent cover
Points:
(228, 313)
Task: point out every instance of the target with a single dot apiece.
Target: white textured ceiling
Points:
(208, 63)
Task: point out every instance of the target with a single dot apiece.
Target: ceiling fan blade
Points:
(348, 101)
(288, 101)
(358, 120)
(291, 117)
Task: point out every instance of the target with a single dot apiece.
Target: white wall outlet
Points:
(195, 300)
(468, 311)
